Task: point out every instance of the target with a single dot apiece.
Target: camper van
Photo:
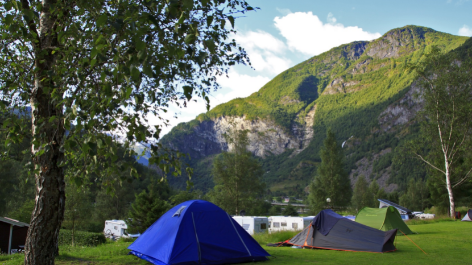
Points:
(115, 229)
(292, 223)
(253, 224)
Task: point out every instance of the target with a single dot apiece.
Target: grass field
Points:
(444, 241)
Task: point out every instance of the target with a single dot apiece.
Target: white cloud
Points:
(306, 33)
(265, 51)
(465, 31)
(283, 11)
(331, 19)
(237, 85)
(459, 2)
(233, 86)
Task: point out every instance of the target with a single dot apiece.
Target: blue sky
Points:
(283, 33)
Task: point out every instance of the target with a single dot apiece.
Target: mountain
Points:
(360, 90)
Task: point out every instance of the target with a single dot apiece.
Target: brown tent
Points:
(12, 234)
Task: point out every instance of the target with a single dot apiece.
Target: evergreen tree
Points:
(331, 181)
(376, 193)
(183, 196)
(416, 196)
(77, 209)
(237, 176)
(149, 206)
(362, 196)
(275, 210)
(289, 210)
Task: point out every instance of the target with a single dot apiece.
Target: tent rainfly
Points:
(468, 216)
(12, 234)
(330, 230)
(383, 219)
(197, 232)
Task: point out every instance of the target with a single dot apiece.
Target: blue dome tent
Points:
(197, 232)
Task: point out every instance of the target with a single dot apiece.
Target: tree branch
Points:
(463, 179)
(31, 24)
(433, 166)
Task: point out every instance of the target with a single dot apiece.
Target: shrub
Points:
(274, 237)
(81, 238)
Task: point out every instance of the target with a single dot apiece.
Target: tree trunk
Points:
(48, 130)
(42, 241)
(73, 230)
(452, 208)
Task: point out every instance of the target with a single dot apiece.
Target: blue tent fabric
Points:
(196, 232)
(325, 221)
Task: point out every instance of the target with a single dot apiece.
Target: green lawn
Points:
(445, 242)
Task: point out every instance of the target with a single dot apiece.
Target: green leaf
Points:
(8, 19)
(135, 73)
(209, 20)
(102, 20)
(188, 4)
(210, 45)
(147, 69)
(93, 53)
(188, 90)
(128, 92)
(99, 143)
(190, 38)
(140, 45)
(231, 20)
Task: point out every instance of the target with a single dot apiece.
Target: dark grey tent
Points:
(330, 230)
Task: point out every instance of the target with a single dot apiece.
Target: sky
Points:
(283, 33)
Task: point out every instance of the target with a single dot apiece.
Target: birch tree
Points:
(89, 69)
(445, 82)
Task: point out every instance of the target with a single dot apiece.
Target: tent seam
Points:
(239, 235)
(198, 242)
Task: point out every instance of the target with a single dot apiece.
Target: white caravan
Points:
(115, 229)
(253, 224)
(291, 223)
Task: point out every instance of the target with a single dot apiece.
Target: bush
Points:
(463, 210)
(274, 237)
(81, 238)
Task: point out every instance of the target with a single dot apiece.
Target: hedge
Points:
(81, 238)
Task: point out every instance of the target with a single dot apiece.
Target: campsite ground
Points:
(444, 241)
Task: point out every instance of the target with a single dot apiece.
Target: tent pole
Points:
(9, 239)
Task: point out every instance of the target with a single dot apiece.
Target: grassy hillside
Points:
(351, 85)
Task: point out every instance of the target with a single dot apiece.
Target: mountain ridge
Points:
(346, 88)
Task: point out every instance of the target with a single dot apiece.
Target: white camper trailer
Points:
(253, 224)
(117, 228)
(291, 223)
